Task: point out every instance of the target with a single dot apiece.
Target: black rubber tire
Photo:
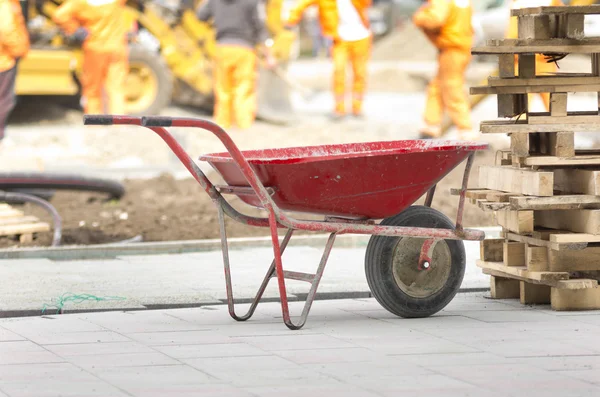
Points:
(164, 77)
(13, 181)
(379, 266)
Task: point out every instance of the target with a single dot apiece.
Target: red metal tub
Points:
(360, 180)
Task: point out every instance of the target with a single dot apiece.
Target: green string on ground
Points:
(59, 302)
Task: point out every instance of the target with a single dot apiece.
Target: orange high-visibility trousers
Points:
(447, 90)
(357, 54)
(541, 68)
(104, 73)
(235, 86)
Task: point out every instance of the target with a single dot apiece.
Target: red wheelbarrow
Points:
(415, 259)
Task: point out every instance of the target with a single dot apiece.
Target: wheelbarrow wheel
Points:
(393, 274)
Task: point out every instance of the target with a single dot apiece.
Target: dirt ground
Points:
(165, 209)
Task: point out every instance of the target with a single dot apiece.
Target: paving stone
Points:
(295, 342)
(233, 349)
(321, 356)
(586, 375)
(45, 339)
(446, 359)
(21, 373)
(563, 363)
(188, 391)
(25, 352)
(519, 377)
(143, 321)
(179, 338)
(66, 388)
(402, 383)
(122, 360)
(154, 377)
(384, 368)
(214, 366)
(510, 315)
(333, 390)
(99, 348)
(285, 377)
(7, 336)
(421, 344)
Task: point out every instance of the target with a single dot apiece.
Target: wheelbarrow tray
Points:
(360, 180)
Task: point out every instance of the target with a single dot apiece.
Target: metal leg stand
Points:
(314, 279)
(265, 282)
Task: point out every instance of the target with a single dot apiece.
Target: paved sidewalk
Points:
(185, 280)
(475, 347)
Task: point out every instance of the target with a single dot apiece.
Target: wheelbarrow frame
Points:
(278, 219)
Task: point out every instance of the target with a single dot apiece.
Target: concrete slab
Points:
(346, 349)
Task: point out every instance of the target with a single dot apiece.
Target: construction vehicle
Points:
(170, 59)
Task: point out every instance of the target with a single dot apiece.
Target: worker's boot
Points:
(430, 132)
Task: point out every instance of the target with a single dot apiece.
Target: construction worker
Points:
(103, 28)
(542, 66)
(240, 28)
(447, 24)
(14, 44)
(346, 23)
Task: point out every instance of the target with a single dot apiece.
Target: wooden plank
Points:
(536, 258)
(547, 278)
(534, 293)
(534, 27)
(494, 206)
(573, 27)
(491, 250)
(556, 10)
(587, 259)
(543, 243)
(484, 194)
(561, 144)
(580, 299)
(570, 118)
(558, 104)
(571, 202)
(10, 213)
(545, 161)
(520, 222)
(506, 66)
(585, 182)
(582, 221)
(513, 254)
(519, 145)
(538, 49)
(522, 127)
(494, 81)
(513, 180)
(533, 89)
(18, 220)
(511, 105)
(504, 288)
(554, 42)
(526, 66)
(10, 230)
(576, 284)
(574, 238)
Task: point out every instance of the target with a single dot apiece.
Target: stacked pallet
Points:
(544, 193)
(15, 223)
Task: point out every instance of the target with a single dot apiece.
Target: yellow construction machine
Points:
(170, 59)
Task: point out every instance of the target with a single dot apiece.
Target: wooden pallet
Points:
(544, 193)
(15, 223)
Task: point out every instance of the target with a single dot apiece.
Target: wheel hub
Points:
(427, 279)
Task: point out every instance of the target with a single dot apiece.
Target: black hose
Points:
(20, 197)
(10, 181)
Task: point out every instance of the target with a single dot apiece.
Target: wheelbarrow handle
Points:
(157, 121)
(97, 119)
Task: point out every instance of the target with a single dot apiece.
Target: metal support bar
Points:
(299, 276)
(228, 284)
(429, 197)
(463, 193)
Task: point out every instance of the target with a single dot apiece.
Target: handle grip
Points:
(97, 119)
(157, 121)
